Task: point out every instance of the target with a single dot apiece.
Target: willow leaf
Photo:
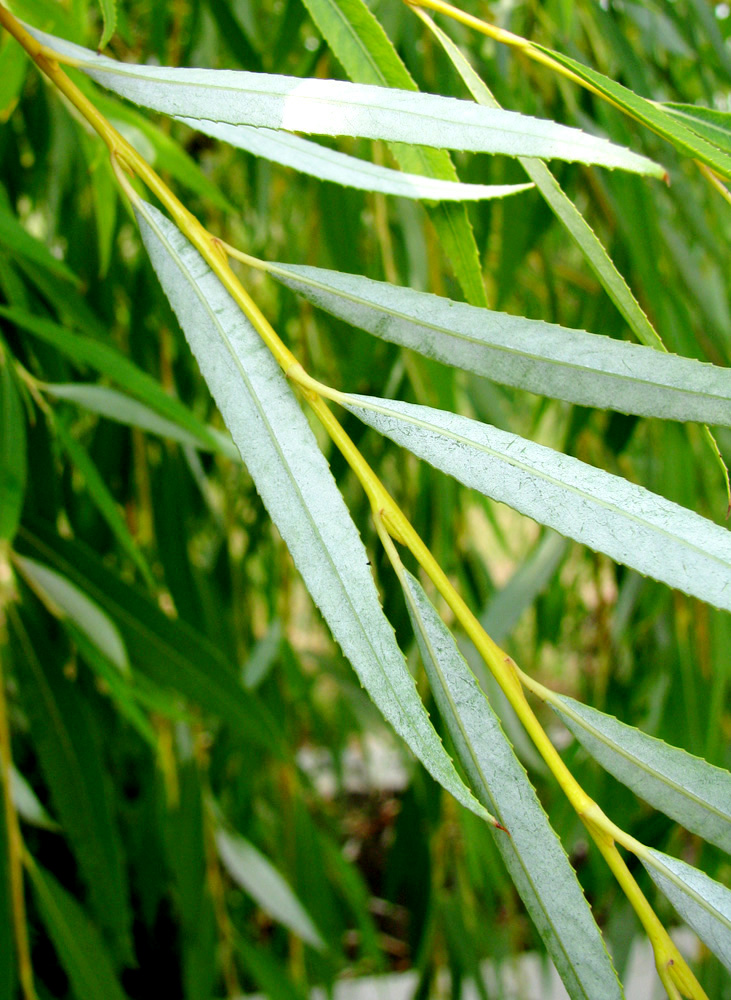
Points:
(608, 513)
(170, 653)
(109, 16)
(68, 742)
(545, 358)
(257, 876)
(78, 943)
(333, 107)
(106, 359)
(295, 483)
(329, 165)
(124, 409)
(532, 853)
(687, 788)
(713, 125)
(562, 207)
(67, 601)
(649, 113)
(12, 451)
(703, 903)
(368, 55)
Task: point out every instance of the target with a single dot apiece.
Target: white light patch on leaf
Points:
(334, 107)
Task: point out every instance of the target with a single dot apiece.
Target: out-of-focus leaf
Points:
(13, 67)
(68, 742)
(693, 792)
(110, 362)
(329, 165)
(296, 485)
(17, 240)
(532, 852)
(78, 943)
(12, 451)
(551, 360)
(104, 193)
(703, 903)
(171, 653)
(66, 599)
(608, 513)
(103, 499)
(123, 409)
(257, 876)
(333, 107)
(27, 804)
(109, 16)
(8, 975)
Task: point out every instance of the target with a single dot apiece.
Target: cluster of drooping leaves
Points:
(138, 656)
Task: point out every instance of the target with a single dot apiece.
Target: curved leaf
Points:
(703, 903)
(12, 451)
(296, 485)
(687, 788)
(610, 514)
(545, 358)
(712, 124)
(329, 165)
(333, 107)
(532, 852)
(254, 873)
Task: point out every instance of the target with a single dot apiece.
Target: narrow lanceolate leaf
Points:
(12, 451)
(103, 358)
(109, 16)
(532, 853)
(333, 107)
(295, 483)
(703, 903)
(691, 791)
(562, 207)
(367, 54)
(123, 409)
(171, 654)
(68, 742)
(630, 524)
(329, 165)
(257, 876)
(67, 601)
(713, 125)
(78, 943)
(545, 358)
(670, 127)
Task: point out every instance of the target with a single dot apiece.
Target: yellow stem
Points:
(15, 851)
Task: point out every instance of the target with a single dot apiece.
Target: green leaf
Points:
(78, 943)
(268, 973)
(704, 904)
(109, 16)
(547, 359)
(8, 961)
(691, 791)
(170, 653)
(295, 484)
(65, 599)
(68, 743)
(18, 241)
(257, 876)
(649, 113)
(562, 207)
(12, 451)
(329, 165)
(713, 125)
(532, 852)
(110, 362)
(333, 107)
(608, 513)
(14, 65)
(123, 409)
(27, 804)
